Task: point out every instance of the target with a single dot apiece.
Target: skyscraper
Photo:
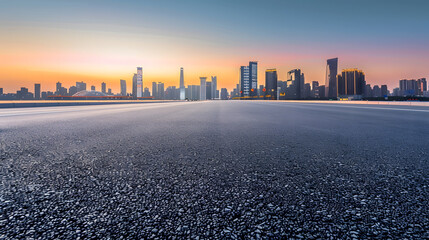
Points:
(124, 88)
(249, 80)
(135, 85)
(160, 91)
(80, 86)
(209, 91)
(422, 86)
(295, 84)
(223, 94)
(271, 84)
(351, 82)
(58, 88)
(253, 75)
(331, 78)
(182, 85)
(214, 87)
(154, 90)
(203, 88)
(93, 88)
(103, 87)
(37, 91)
(139, 82)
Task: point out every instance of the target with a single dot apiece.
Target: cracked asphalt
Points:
(214, 170)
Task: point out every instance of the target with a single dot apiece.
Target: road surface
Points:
(219, 169)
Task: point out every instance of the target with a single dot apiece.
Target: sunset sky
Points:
(94, 41)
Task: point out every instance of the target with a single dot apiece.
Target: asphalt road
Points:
(231, 169)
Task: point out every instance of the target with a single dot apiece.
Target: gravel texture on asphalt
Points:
(221, 169)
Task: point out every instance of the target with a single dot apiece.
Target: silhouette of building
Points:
(331, 78)
(408, 87)
(315, 89)
(209, 90)
(182, 85)
(384, 91)
(223, 94)
(421, 86)
(37, 91)
(351, 83)
(93, 88)
(1, 91)
(146, 92)
(193, 92)
(123, 87)
(203, 88)
(154, 90)
(295, 84)
(134, 86)
(72, 90)
(271, 84)
(103, 87)
(214, 88)
(80, 86)
(160, 91)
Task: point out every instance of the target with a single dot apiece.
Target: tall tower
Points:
(203, 88)
(37, 91)
(271, 84)
(331, 78)
(103, 87)
(182, 85)
(214, 87)
(123, 87)
(139, 82)
(253, 76)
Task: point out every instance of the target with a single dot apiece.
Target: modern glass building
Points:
(139, 82)
(331, 78)
(271, 84)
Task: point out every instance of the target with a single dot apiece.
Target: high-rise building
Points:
(109, 91)
(351, 82)
(1, 91)
(244, 81)
(72, 90)
(408, 87)
(384, 91)
(37, 91)
(92, 88)
(223, 94)
(103, 87)
(81, 86)
(209, 90)
(139, 82)
(295, 84)
(160, 91)
(249, 80)
(193, 92)
(154, 90)
(203, 88)
(376, 91)
(124, 88)
(315, 89)
(146, 92)
(331, 78)
(135, 85)
(253, 75)
(271, 84)
(422, 86)
(182, 85)
(214, 88)
(58, 89)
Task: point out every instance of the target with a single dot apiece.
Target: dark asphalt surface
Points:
(207, 170)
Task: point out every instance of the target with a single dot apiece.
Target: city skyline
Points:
(39, 49)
